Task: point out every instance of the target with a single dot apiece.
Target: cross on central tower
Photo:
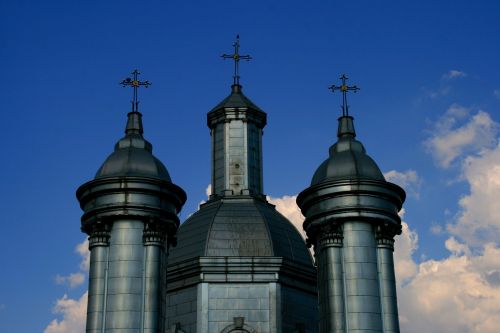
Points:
(344, 88)
(236, 57)
(135, 83)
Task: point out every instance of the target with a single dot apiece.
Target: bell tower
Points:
(130, 215)
(351, 220)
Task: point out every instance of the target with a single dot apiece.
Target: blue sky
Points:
(427, 109)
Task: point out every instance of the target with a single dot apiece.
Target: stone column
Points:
(330, 280)
(362, 299)
(98, 276)
(387, 279)
(154, 241)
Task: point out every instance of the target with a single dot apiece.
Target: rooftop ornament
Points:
(135, 83)
(236, 57)
(344, 88)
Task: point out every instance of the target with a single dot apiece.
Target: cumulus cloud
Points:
(453, 74)
(459, 132)
(478, 218)
(287, 206)
(408, 180)
(460, 293)
(74, 280)
(73, 312)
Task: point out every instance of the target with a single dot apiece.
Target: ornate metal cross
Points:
(236, 57)
(135, 83)
(344, 88)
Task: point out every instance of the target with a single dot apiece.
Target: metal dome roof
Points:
(239, 227)
(348, 158)
(133, 155)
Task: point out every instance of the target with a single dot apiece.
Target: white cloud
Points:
(460, 293)
(496, 93)
(408, 180)
(73, 313)
(452, 139)
(453, 74)
(83, 250)
(76, 279)
(478, 219)
(73, 280)
(287, 206)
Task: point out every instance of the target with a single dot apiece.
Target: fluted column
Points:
(98, 276)
(387, 279)
(330, 280)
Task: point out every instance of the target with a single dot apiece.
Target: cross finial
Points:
(344, 88)
(135, 83)
(236, 57)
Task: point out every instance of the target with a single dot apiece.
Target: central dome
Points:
(239, 227)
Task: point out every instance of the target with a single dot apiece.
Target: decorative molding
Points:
(330, 235)
(99, 234)
(384, 234)
(154, 233)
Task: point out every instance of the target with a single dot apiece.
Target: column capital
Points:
(384, 234)
(99, 234)
(330, 235)
(154, 233)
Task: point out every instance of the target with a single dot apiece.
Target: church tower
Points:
(351, 219)
(130, 214)
(239, 266)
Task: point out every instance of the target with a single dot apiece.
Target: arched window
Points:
(239, 326)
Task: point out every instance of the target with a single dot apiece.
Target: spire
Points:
(236, 57)
(134, 123)
(346, 124)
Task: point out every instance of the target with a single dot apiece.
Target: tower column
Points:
(387, 280)
(330, 280)
(349, 191)
(129, 207)
(154, 240)
(361, 275)
(98, 274)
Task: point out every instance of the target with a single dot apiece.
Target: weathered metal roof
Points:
(239, 226)
(236, 100)
(133, 155)
(348, 158)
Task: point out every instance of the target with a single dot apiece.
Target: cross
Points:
(135, 83)
(236, 57)
(344, 88)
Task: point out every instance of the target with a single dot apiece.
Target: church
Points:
(237, 265)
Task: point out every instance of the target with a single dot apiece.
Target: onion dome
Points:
(348, 158)
(133, 155)
(132, 182)
(349, 185)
